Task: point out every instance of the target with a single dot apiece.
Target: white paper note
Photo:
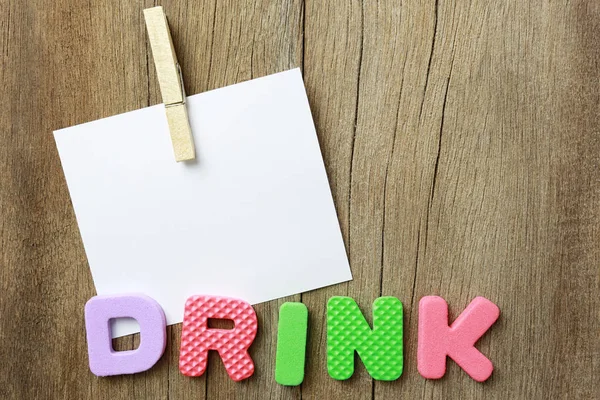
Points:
(252, 217)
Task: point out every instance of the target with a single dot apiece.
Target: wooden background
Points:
(461, 139)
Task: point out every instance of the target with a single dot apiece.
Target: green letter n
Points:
(380, 348)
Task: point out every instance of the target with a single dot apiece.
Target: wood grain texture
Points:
(461, 140)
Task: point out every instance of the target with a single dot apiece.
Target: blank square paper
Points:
(252, 217)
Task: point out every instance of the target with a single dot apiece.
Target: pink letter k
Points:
(438, 340)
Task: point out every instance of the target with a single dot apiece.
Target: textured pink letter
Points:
(232, 344)
(438, 340)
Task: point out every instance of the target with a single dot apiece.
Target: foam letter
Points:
(232, 344)
(380, 349)
(104, 361)
(291, 344)
(438, 340)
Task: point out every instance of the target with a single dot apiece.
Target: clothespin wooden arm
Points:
(170, 82)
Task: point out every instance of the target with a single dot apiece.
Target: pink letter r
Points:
(232, 344)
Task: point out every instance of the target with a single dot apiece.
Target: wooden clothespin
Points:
(170, 82)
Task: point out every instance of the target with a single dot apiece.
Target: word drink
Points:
(380, 348)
